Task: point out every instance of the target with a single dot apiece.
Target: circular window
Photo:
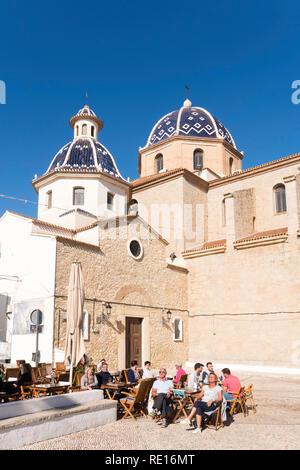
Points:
(135, 248)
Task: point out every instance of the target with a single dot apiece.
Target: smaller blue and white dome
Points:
(86, 155)
(189, 121)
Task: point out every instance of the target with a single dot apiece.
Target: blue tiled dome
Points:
(189, 121)
(84, 154)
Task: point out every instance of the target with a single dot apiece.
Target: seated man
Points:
(209, 370)
(231, 384)
(103, 376)
(161, 392)
(180, 372)
(132, 374)
(208, 401)
(195, 377)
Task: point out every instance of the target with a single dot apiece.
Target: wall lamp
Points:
(106, 312)
(166, 320)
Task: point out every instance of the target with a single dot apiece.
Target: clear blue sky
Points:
(134, 58)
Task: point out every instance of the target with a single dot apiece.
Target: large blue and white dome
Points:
(190, 121)
(85, 153)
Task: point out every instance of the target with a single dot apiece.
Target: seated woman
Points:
(132, 374)
(208, 401)
(24, 377)
(88, 380)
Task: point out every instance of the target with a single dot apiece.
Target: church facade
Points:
(195, 260)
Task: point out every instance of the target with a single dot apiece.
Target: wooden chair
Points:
(136, 402)
(214, 419)
(248, 395)
(123, 376)
(60, 367)
(34, 374)
(238, 402)
(11, 372)
(181, 382)
(25, 392)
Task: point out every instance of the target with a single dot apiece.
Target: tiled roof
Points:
(265, 234)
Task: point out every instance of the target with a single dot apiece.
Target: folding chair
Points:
(213, 419)
(25, 392)
(136, 402)
(123, 376)
(248, 395)
(238, 402)
(181, 381)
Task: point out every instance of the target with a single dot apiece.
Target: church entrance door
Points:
(133, 341)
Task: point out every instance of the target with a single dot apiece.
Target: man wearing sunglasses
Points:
(161, 393)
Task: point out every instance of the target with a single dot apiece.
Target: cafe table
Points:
(113, 388)
(49, 389)
(181, 402)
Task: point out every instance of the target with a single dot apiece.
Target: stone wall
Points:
(139, 288)
(244, 306)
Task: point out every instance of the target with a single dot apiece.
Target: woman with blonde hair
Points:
(88, 380)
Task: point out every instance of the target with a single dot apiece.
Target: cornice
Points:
(65, 173)
(154, 180)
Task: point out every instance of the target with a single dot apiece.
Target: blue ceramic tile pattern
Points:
(165, 128)
(87, 155)
(105, 161)
(194, 121)
(59, 157)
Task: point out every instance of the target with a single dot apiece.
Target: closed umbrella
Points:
(74, 341)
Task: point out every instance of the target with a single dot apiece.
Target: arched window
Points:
(133, 206)
(78, 196)
(223, 213)
(49, 199)
(230, 165)
(77, 130)
(198, 159)
(159, 162)
(84, 129)
(92, 131)
(280, 199)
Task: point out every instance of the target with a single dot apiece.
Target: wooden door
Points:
(133, 341)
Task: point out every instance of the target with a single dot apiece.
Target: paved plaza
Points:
(276, 425)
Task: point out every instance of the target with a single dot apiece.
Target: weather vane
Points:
(86, 97)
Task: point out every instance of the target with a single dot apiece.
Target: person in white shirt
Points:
(147, 372)
(209, 399)
(161, 392)
(194, 378)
